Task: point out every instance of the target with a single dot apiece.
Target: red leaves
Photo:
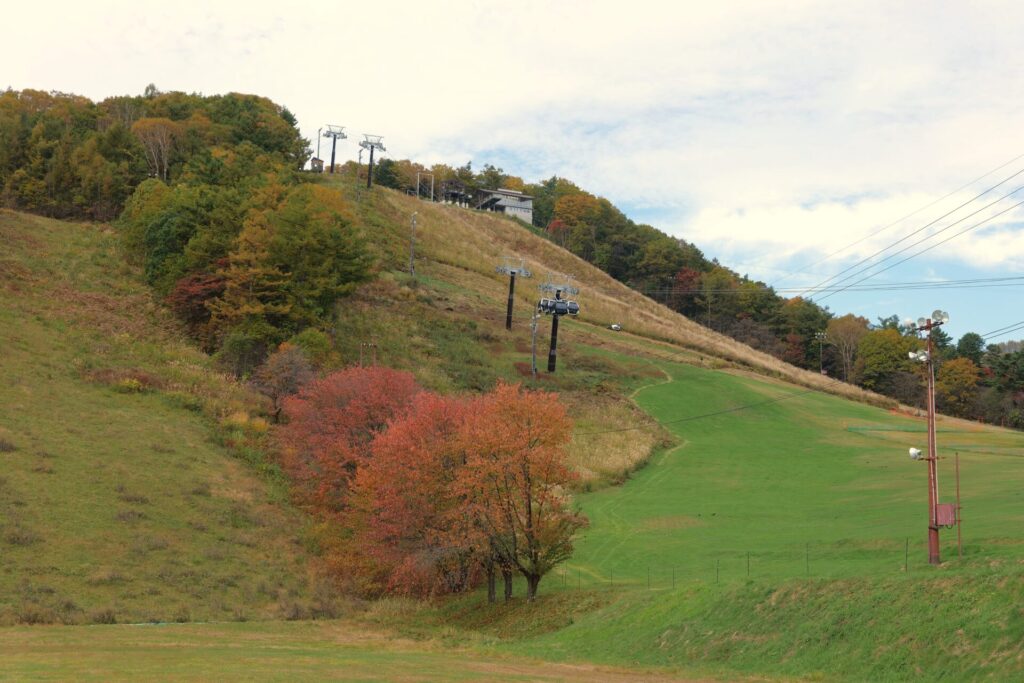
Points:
(331, 424)
(432, 489)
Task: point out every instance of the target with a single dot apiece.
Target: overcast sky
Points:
(768, 134)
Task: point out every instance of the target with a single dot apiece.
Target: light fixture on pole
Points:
(938, 514)
(335, 133)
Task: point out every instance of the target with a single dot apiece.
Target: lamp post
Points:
(926, 325)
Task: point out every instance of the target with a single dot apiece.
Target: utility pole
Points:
(412, 246)
(556, 308)
(335, 133)
(318, 138)
(511, 268)
(371, 142)
(937, 514)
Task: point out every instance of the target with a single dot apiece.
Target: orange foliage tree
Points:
(406, 520)
(515, 479)
(331, 424)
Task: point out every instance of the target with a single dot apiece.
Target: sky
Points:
(769, 134)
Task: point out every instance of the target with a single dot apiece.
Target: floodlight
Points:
(921, 322)
(915, 453)
(573, 308)
(912, 355)
(941, 316)
(908, 322)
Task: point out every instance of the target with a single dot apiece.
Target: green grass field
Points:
(810, 485)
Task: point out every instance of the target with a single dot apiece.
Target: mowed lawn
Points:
(267, 651)
(809, 485)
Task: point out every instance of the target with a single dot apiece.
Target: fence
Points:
(888, 557)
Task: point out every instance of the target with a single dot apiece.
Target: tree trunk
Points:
(492, 593)
(532, 581)
(506, 574)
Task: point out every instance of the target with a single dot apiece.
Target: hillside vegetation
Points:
(120, 499)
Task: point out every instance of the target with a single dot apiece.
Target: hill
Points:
(119, 498)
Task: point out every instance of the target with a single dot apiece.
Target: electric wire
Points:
(927, 249)
(900, 220)
(922, 228)
(1003, 333)
(999, 330)
(975, 283)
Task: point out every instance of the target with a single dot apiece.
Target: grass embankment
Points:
(118, 500)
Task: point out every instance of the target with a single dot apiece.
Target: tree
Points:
(408, 522)
(956, 386)
(157, 136)
(329, 426)
(881, 354)
(283, 374)
(845, 333)
(971, 346)
(516, 477)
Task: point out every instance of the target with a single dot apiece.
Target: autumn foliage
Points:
(430, 494)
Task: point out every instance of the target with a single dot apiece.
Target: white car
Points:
(615, 326)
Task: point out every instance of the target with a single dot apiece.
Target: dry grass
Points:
(483, 238)
(610, 456)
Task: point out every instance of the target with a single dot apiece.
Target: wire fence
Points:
(816, 560)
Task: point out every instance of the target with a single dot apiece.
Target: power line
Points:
(1010, 281)
(924, 227)
(1003, 331)
(929, 248)
(898, 221)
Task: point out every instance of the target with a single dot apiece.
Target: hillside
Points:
(458, 249)
(119, 500)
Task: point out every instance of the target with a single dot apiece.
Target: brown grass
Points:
(483, 238)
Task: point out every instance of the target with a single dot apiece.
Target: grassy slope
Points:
(812, 469)
(122, 505)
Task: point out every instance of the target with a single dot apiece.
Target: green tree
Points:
(881, 356)
(956, 386)
(971, 346)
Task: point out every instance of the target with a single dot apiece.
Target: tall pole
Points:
(334, 146)
(511, 293)
(536, 314)
(318, 136)
(933, 474)
(959, 538)
(552, 352)
(412, 246)
(369, 173)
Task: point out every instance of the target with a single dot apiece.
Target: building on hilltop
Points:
(508, 202)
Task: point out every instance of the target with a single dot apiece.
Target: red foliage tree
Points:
(188, 299)
(406, 518)
(331, 423)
